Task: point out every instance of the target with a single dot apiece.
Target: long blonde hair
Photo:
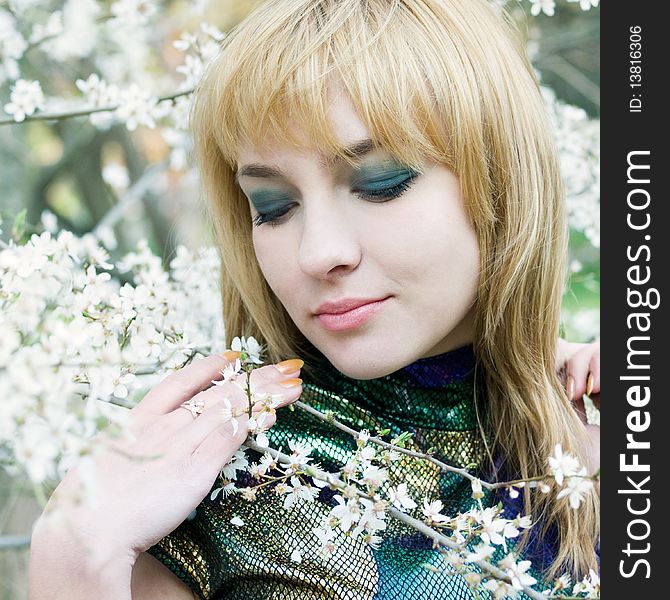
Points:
(444, 80)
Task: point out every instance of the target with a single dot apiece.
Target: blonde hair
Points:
(443, 80)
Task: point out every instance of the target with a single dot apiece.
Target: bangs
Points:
(398, 67)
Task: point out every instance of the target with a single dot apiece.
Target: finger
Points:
(221, 444)
(220, 407)
(228, 393)
(218, 415)
(565, 351)
(593, 386)
(235, 398)
(274, 373)
(288, 391)
(562, 353)
(577, 368)
(182, 385)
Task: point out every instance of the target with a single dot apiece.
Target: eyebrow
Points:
(355, 150)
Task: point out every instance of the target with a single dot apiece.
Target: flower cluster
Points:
(566, 469)
(577, 138)
(75, 340)
(548, 7)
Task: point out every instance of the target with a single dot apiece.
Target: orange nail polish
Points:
(289, 383)
(290, 365)
(589, 384)
(230, 355)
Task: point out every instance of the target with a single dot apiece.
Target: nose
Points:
(330, 243)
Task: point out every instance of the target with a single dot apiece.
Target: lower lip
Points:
(352, 318)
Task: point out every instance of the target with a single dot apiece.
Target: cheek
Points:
(427, 240)
(271, 252)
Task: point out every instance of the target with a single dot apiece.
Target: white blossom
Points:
(517, 571)
(374, 476)
(238, 462)
(26, 97)
(116, 175)
(400, 497)
(432, 511)
(481, 552)
(546, 6)
(576, 487)
(132, 13)
(228, 414)
(477, 492)
(325, 536)
(491, 526)
(346, 513)
(296, 556)
(12, 46)
(562, 465)
(500, 589)
(298, 491)
(250, 346)
(79, 31)
(590, 585)
(137, 106)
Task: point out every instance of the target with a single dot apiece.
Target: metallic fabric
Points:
(434, 399)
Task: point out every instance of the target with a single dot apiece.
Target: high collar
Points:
(436, 392)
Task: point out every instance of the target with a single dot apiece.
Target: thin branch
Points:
(419, 526)
(376, 440)
(572, 76)
(14, 541)
(419, 455)
(132, 195)
(82, 112)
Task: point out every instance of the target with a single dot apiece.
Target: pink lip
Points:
(349, 313)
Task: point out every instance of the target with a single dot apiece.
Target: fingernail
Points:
(290, 365)
(589, 384)
(570, 387)
(289, 383)
(230, 355)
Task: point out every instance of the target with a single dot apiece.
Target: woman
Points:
(386, 199)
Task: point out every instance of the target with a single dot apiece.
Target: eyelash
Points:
(272, 217)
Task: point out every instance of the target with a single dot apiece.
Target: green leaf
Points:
(19, 227)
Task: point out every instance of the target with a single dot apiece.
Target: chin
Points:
(362, 363)
(362, 371)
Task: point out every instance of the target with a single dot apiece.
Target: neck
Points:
(436, 392)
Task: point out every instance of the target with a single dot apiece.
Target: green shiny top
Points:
(433, 399)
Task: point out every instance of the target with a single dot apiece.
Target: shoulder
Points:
(151, 580)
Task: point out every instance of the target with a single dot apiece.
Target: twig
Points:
(419, 526)
(132, 195)
(14, 541)
(376, 440)
(413, 453)
(82, 112)
(573, 76)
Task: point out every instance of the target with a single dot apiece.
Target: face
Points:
(378, 233)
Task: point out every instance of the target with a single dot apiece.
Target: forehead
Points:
(347, 124)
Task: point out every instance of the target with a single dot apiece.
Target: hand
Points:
(148, 485)
(578, 366)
